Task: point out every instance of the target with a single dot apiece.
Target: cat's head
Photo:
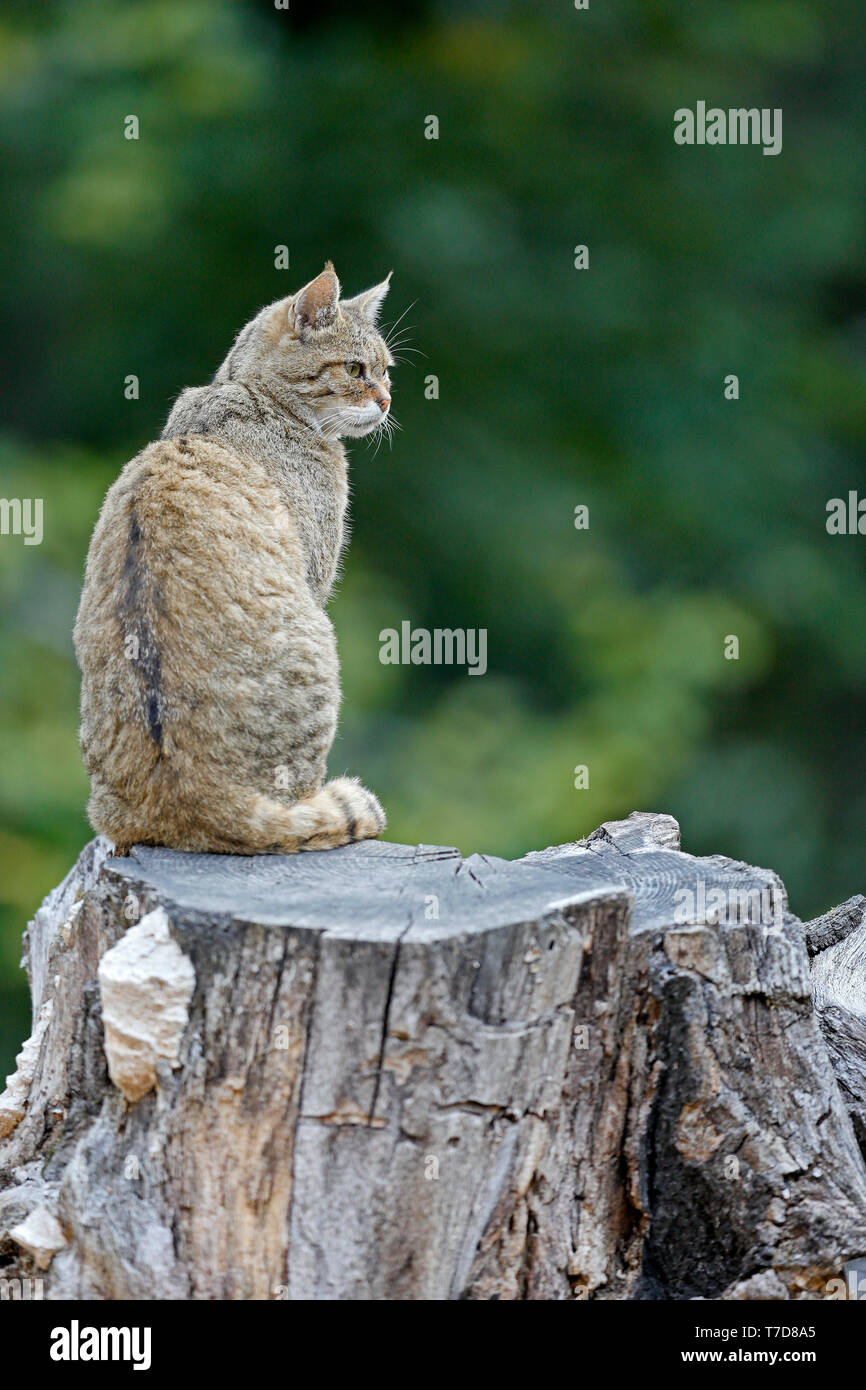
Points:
(330, 354)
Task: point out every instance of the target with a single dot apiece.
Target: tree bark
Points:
(388, 1072)
(837, 942)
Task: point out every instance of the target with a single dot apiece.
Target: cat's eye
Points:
(353, 368)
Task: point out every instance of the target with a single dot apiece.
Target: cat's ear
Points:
(369, 302)
(315, 306)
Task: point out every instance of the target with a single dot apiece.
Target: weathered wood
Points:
(838, 944)
(390, 1072)
(834, 925)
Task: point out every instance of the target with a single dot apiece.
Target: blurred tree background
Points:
(557, 387)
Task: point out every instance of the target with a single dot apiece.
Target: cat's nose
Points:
(384, 402)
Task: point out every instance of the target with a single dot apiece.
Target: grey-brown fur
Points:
(210, 680)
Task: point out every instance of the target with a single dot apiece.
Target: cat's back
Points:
(188, 533)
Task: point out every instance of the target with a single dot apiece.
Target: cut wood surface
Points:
(389, 1072)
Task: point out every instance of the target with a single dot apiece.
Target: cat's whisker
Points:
(391, 326)
(399, 342)
(385, 428)
(377, 436)
(331, 422)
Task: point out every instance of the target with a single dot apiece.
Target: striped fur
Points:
(210, 681)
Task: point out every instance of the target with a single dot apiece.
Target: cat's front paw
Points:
(363, 812)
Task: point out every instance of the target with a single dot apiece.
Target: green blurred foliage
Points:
(305, 127)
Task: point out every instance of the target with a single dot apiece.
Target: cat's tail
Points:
(337, 813)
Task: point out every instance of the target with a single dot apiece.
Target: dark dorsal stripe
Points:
(132, 612)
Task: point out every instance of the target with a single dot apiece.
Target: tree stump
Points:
(838, 943)
(388, 1072)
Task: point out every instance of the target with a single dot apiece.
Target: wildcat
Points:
(210, 680)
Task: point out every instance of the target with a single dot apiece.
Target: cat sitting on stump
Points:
(210, 680)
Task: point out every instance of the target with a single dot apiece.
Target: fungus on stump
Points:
(388, 1072)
